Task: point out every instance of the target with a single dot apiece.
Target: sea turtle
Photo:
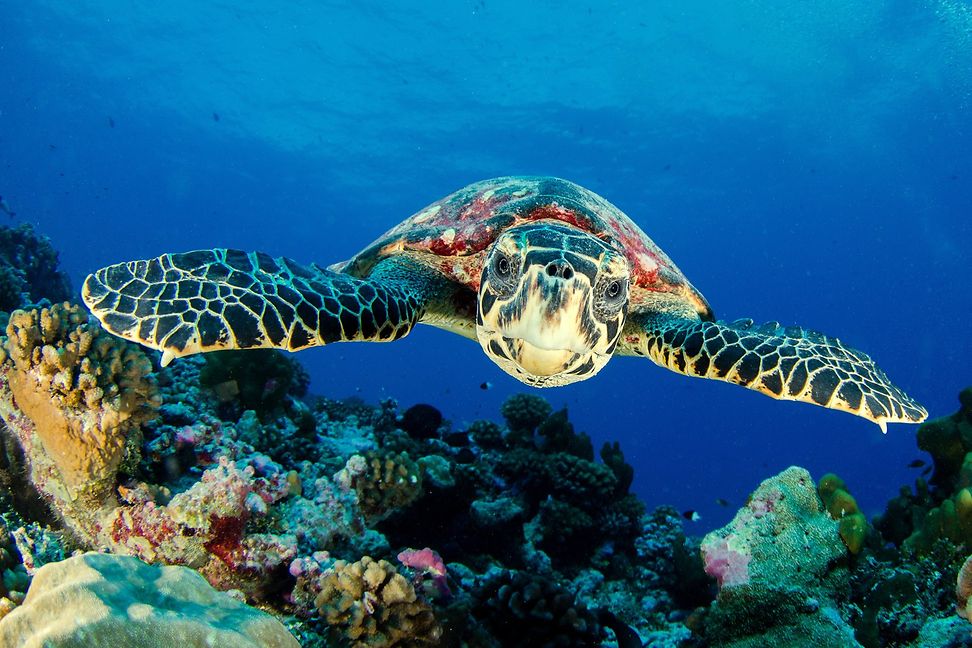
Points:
(549, 277)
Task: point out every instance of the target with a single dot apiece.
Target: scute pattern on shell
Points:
(464, 224)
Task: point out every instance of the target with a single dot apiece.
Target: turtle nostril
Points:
(560, 269)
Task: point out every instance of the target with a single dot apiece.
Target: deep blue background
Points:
(805, 162)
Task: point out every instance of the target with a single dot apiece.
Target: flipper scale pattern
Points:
(789, 363)
(208, 300)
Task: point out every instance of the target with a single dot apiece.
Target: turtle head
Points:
(552, 303)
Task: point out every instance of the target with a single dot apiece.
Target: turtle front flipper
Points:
(209, 300)
(789, 363)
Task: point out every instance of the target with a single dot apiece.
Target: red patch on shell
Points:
(554, 211)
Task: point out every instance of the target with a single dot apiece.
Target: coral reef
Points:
(85, 393)
(841, 505)
(370, 605)
(383, 482)
(528, 610)
(771, 563)
(100, 600)
(508, 532)
(28, 269)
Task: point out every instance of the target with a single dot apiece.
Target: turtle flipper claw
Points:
(209, 300)
(789, 363)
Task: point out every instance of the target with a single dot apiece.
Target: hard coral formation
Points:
(939, 511)
(771, 563)
(86, 393)
(524, 609)
(256, 379)
(28, 269)
(523, 413)
(97, 600)
(421, 421)
(384, 482)
(369, 604)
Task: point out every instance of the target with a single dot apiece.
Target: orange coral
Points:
(86, 394)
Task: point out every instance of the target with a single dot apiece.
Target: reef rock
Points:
(101, 600)
(776, 564)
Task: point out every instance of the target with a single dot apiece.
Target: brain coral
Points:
(373, 606)
(86, 391)
(97, 600)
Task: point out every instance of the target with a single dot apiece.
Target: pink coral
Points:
(963, 589)
(728, 566)
(426, 562)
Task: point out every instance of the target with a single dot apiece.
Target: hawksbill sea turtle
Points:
(550, 278)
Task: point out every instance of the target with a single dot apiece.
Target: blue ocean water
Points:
(804, 162)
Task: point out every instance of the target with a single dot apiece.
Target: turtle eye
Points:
(504, 266)
(503, 272)
(611, 296)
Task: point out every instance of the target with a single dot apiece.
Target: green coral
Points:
(558, 436)
(523, 609)
(945, 514)
(613, 458)
(947, 440)
(841, 505)
(368, 604)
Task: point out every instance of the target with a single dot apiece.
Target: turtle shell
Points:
(455, 233)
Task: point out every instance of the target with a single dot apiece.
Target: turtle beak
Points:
(539, 361)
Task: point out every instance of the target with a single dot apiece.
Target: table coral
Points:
(371, 605)
(97, 600)
(86, 393)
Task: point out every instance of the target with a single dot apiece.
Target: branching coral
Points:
(371, 605)
(86, 393)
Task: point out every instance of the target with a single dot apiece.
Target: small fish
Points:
(722, 502)
(917, 463)
(215, 116)
(5, 207)
(111, 122)
(691, 516)
(486, 386)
